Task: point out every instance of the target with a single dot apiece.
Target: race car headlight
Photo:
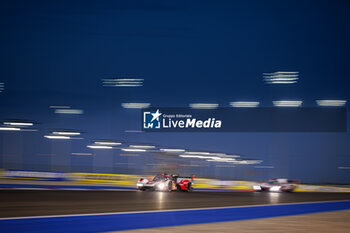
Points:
(275, 188)
(161, 186)
(139, 185)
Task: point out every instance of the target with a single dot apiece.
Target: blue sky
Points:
(57, 52)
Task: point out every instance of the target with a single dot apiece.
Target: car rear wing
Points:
(180, 178)
(284, 181)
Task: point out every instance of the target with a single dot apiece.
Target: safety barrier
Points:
(33, 175)
(126, 180)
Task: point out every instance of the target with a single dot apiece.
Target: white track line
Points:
(160, 211)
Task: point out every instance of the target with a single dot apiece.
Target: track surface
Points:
(17, 203)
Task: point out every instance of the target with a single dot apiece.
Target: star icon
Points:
(156, 115)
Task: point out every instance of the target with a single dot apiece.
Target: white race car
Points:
(164, 182)
(276, 185)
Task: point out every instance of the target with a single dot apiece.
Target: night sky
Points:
(58, 52)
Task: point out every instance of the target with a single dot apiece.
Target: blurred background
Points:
(74, 77)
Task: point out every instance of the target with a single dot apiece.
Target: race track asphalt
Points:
(20, 203)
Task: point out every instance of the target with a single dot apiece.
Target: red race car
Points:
(165, 182)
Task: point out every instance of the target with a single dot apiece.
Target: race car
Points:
(165, 182)
(276, 185)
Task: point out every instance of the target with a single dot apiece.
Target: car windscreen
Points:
(159, 178)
